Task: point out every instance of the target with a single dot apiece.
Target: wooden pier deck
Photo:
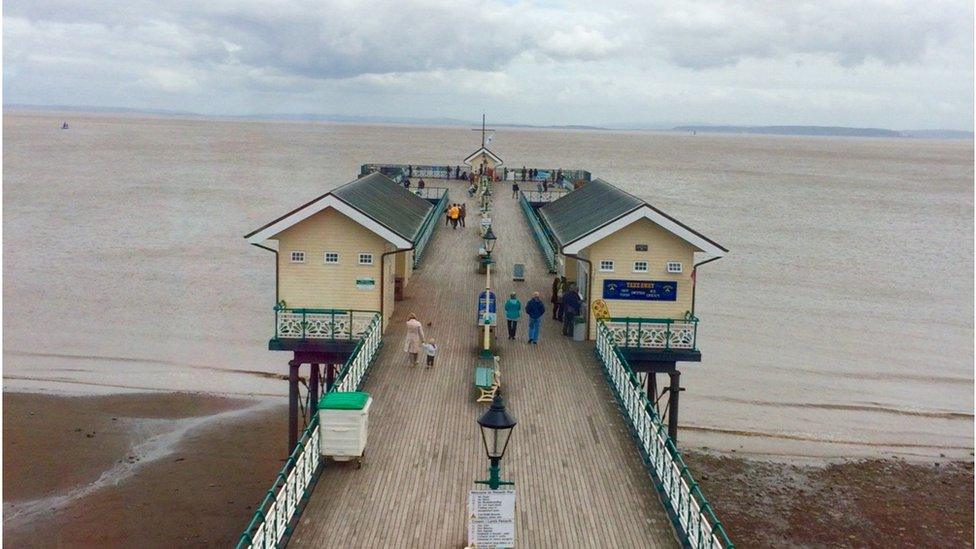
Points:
(578, 476)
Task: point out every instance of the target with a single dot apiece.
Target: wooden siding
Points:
(579, 478)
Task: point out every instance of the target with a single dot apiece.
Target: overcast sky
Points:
(895, 64)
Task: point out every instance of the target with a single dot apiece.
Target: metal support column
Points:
(330, 372)
(313, 391)
(674, 390)
(652, 388)
(293, 366)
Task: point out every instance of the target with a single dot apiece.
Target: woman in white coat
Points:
(413, 339)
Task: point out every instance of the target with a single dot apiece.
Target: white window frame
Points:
(646, 266)
(366, 254)
(295, 253)
(325, 258)
(605, 269)
(675, 267)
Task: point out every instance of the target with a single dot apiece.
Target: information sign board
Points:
(491, 518)
(647, 290)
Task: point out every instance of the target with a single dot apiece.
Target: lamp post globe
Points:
(496, 430)
(489, 240)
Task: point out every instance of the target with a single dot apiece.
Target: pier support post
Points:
(652, 388)
(674, 390)
(293, 366)
(330, 372)
(313, 391)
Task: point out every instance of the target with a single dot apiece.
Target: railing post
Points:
(350, 324)
(667, 334)
(304, 325)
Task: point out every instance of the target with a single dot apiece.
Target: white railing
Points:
(690, 511)
(430, 193)
(544, 196)
(333, 324)
(271, 522)
(654, 333)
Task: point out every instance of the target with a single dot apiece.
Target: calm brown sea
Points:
(841, 323)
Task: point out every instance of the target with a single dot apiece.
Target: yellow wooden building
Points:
(483, 157)
(616, 247)
(344, 251)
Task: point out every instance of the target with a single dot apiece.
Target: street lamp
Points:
(496, 428)
(489, 241)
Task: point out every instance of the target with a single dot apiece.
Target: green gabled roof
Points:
(586, 209)
(387, 203)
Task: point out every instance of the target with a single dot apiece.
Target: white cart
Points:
(343, 425)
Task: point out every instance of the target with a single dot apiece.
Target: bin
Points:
(343, 425)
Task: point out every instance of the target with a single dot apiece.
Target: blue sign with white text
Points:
(486, 307)
(647, 290)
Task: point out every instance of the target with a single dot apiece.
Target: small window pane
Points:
(298, 257)
(640, 266)
(606, 265)
(365, 259)
(331, 257)
(674, 266)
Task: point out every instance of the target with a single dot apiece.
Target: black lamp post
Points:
(496, 429)
(489, 242)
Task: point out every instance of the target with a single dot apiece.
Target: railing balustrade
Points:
(325, 324)
(432, 221)
(541, 238)
(654, 333)
(691, 513)
(272, 520)
(536, 197)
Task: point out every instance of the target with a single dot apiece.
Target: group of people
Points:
(454, 215)
(566, 306)
(416, 342)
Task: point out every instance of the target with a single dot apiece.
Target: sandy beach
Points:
(180, 469)
(191, 468)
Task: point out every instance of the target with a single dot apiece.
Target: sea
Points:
(839, 325)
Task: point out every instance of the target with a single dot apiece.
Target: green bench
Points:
(486, 379)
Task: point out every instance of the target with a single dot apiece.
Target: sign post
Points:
(491, 518)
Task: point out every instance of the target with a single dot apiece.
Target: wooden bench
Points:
(487, 379)
(518, 272)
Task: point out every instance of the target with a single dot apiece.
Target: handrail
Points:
(320, 324)
(692, 515)
(429, 226)
(654, 333)
(271, 521)
(537, 196)
(548, 250)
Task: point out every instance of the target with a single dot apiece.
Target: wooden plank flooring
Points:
(579, 479)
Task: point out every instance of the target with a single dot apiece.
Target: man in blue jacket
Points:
(535, 309)
(571, 308)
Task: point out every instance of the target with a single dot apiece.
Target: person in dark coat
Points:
(571, 309)
(557, 298)
(534, 309)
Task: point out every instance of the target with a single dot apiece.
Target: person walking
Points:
(447, 215)
(557, 298)
(513, 310)
(534, 309)
(430, 349)
(421, 184)
(571, 309)
(462, 214)
(515, 189)
(454, 213)
(413, 339)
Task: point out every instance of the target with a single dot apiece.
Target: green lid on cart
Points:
(344, 401)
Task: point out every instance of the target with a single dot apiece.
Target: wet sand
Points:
(190, 468)
(851, 503)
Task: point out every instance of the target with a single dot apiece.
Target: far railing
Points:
(654, 333)
(432, 222)
(545, 246)
(272, 520)
(549, 174)
(325, 324)
(690, 512)
(536, 197)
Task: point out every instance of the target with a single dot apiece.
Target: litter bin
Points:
(343, 425)
(579, 329)
(398, 288)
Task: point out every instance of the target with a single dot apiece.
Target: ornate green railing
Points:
(325, 324)
(690, 512)
(541, 238)
(272, 520)
(432, 221)
(654, 333)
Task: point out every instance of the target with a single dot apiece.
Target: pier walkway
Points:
(578, 475)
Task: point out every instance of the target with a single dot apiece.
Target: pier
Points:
(593, 458)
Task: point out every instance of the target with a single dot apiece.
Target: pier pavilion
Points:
(591, 458)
